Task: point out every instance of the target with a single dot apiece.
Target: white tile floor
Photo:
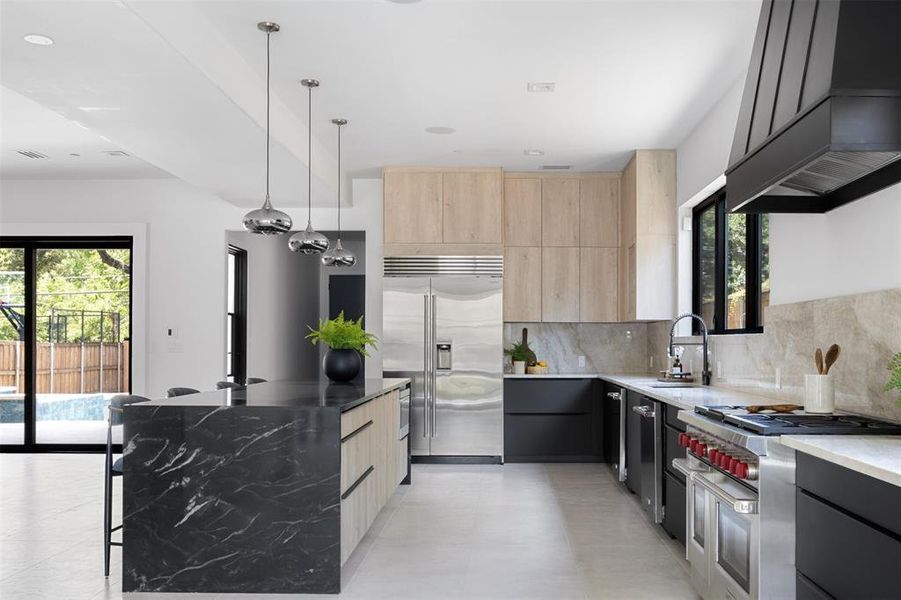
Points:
(513, 531)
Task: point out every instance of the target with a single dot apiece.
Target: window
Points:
(65, 340)
(731, 282)
(236, 326)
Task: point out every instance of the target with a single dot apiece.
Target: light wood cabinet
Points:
(647, 260)
(373, 462)
(598, 285)
(522, 211)
(414, 208)
(473, 207)
(443, 211)
(549, 218)
(560, 284)
(599, 211)
(560, 211)
(522, 284)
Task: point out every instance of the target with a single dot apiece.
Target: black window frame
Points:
(31, 245)
(753, 247)
(237, 368)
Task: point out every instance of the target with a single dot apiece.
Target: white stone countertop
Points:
(684, 397)
(878, 456)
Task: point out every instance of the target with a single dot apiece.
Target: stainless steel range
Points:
(740, 496)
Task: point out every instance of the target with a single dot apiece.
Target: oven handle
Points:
(743, 506)
(681, 465)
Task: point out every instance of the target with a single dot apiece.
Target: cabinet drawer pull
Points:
(359, 480)
(356, 431)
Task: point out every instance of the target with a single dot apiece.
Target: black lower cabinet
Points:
(553, 420)
(674, 507)
(848, 536)
(673, 480)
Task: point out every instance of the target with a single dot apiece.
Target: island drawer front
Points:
(358, 511)
(356, 454)
(355, 418)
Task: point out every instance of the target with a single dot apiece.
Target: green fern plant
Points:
(342, 334)
(520, 351)
(894, 380)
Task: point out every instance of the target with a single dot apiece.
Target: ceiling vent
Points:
(32, 154)
(556, 167)
(539, 87)
(116, 153)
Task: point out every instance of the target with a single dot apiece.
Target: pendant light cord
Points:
(339, 182)
(268, 35)
(310, 157)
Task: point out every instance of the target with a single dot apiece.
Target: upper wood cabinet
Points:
(599, 211)
(414, 211)
(559, 284)
(443, 211)
(473, 207)
(522, 284)
(598, 285)
(522, 211)
(560, 211)
(647, 257)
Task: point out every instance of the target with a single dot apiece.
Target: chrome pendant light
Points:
(338, 256)
(309, 241)
(267, 220)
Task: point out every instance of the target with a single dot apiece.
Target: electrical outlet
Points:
(652, 362)
(778, 378)
(581, 362)
(719, 369)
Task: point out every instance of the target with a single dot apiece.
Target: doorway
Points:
(65, 340)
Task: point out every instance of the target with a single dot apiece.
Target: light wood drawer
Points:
(357, 453)
(355, 418)
(359, 508)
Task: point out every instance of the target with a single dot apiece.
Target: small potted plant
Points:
(520, 354)
(347, 342)
(894, 380)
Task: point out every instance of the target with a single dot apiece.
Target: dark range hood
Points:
(820, 118)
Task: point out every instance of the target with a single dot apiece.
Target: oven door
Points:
(698, 535)
(733, 539)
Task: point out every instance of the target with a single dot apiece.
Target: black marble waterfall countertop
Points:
(294, 394)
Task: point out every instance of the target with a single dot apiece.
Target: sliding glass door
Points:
(70, 308)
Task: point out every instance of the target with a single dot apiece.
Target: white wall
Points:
(853, 249)
(179, 255)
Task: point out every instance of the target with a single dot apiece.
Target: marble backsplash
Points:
(866, 326)
(607, 347)
(772, 364)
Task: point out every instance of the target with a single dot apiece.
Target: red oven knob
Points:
(702, 449)
(713, 454)
(723, 461)
(693, 445)
(684, 440)
(732, 463)
(742, 470)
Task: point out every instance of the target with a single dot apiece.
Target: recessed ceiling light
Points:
(440, 130)
(533, 152)
(38, 39)
(74, 154)
(540, 86)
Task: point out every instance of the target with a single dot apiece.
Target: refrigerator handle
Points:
(433, 353)
(426, 370)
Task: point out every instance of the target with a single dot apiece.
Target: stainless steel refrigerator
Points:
(443, 328)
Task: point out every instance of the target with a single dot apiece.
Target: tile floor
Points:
(513, 531)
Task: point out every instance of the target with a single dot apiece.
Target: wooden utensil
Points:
(818, 357)
(831, 356)
(777, 408)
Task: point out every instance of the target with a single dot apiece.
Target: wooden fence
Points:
(68, 368)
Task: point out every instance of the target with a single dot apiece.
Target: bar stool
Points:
(180, 391)
(113, 469)
(228, 385)
(252, 380)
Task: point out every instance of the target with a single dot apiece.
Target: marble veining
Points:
(231, 499)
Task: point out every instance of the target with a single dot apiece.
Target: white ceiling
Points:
(72, 151)
(186, 80)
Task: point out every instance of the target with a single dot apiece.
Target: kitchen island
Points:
(264, 489)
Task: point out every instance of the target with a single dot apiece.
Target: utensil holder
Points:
(519, 367)
(819, 394)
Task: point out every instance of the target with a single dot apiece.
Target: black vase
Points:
(342, 364)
